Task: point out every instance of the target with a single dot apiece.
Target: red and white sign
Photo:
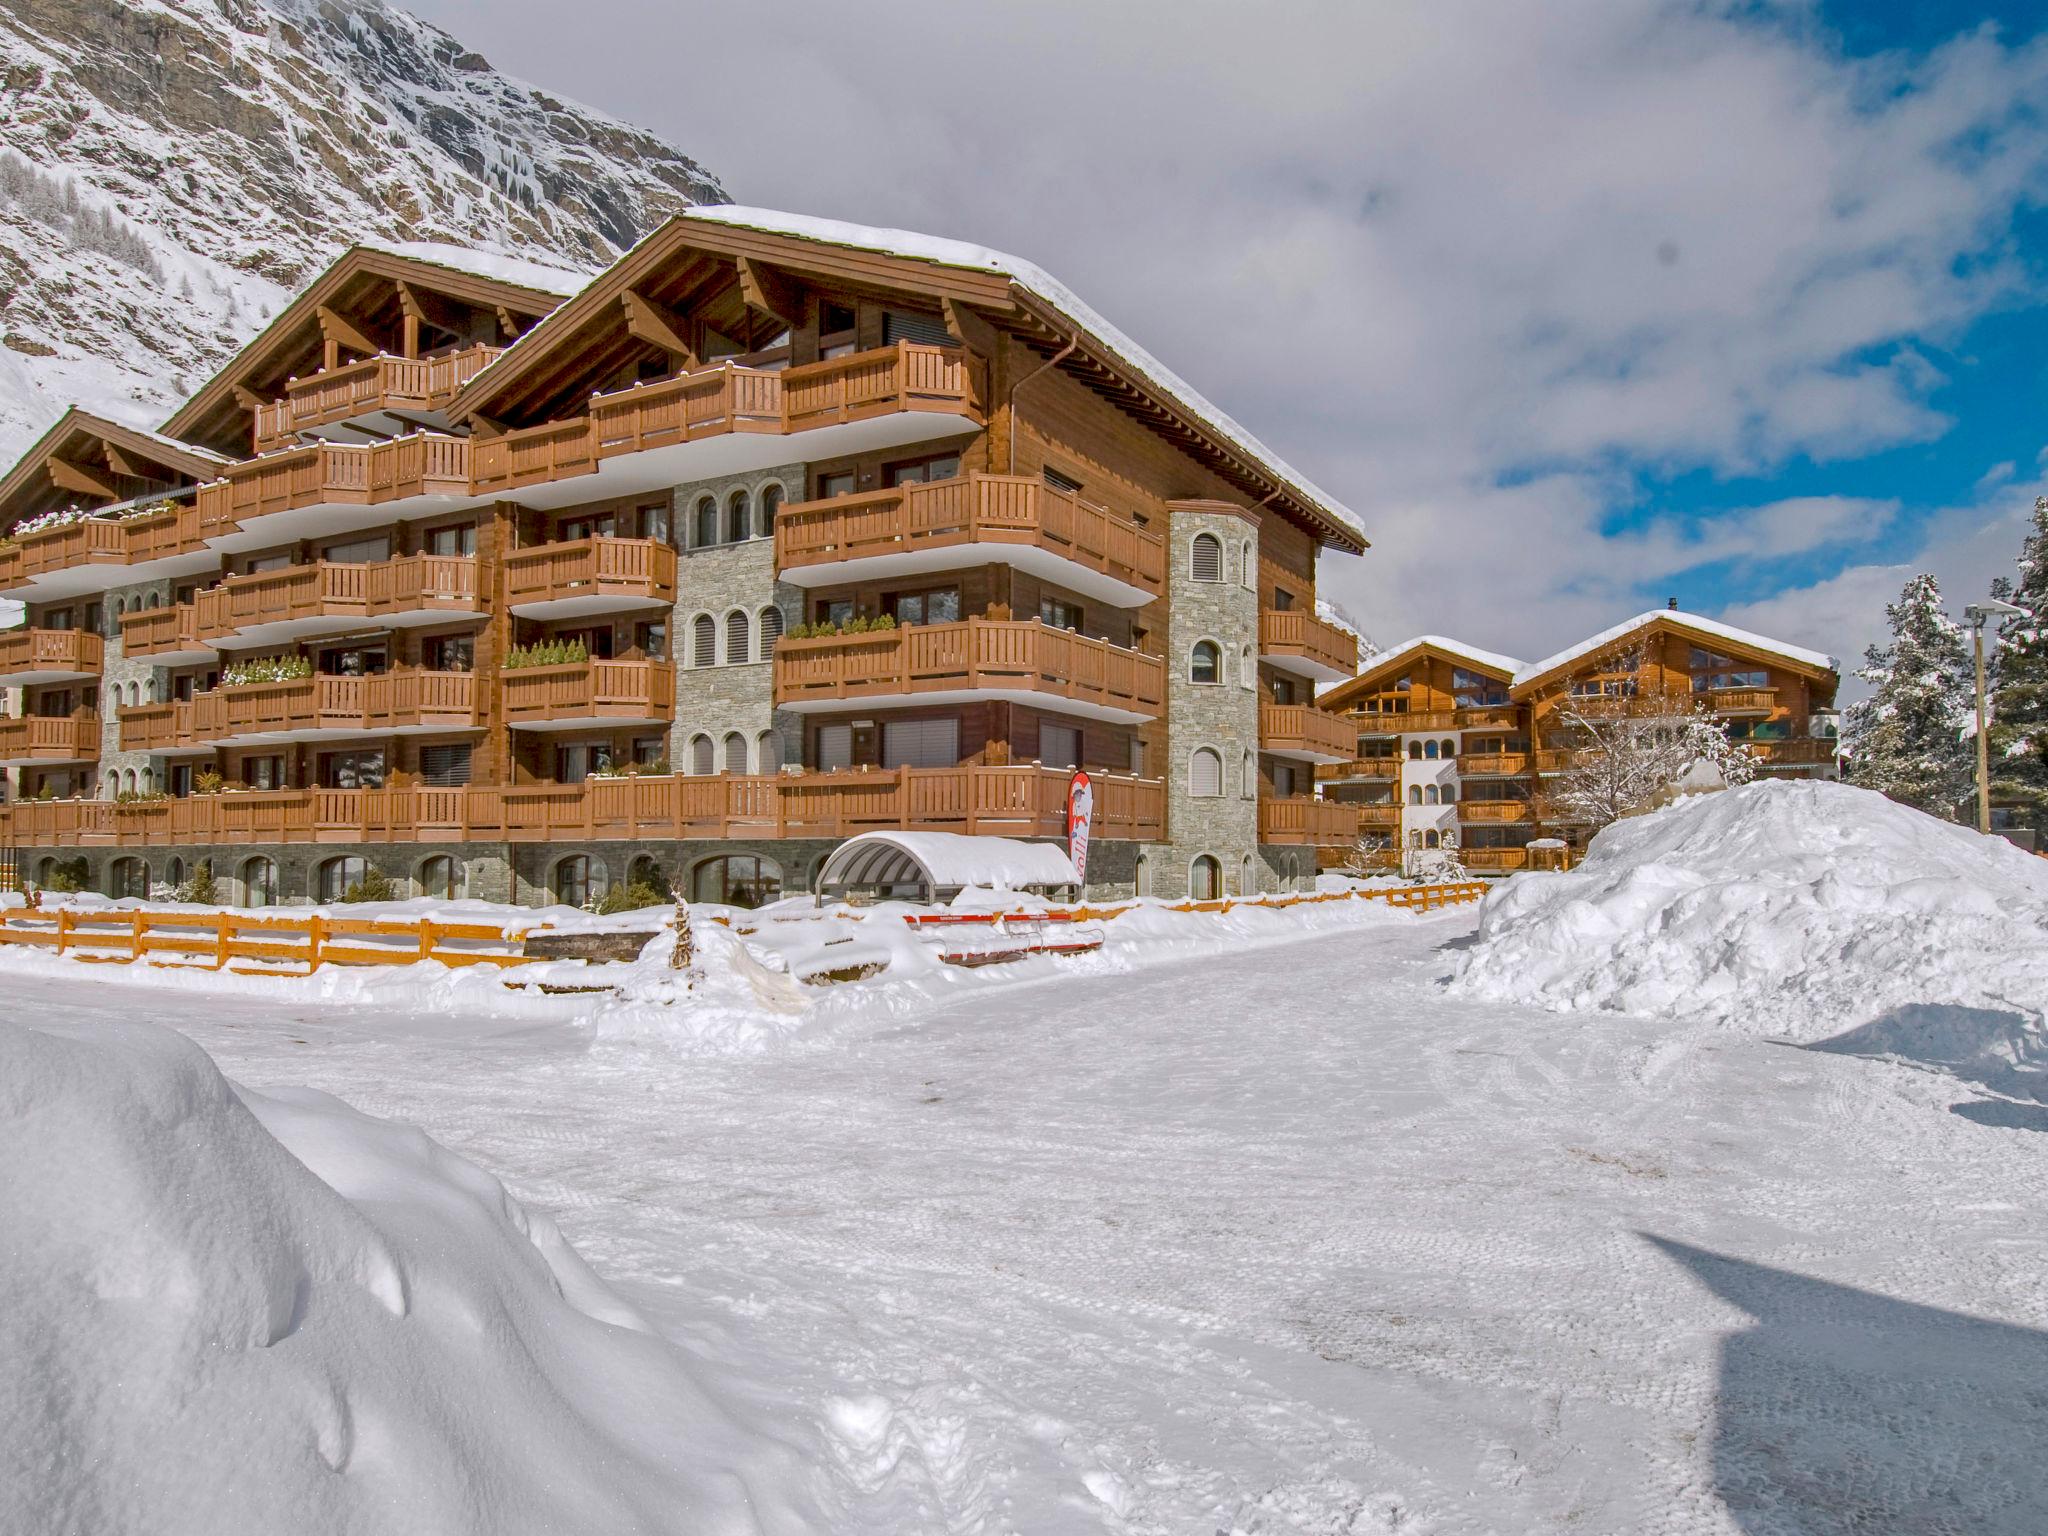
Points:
(1080, 813)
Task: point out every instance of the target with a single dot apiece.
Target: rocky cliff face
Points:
(171, 169)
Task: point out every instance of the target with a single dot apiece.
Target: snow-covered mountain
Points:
(171, 169)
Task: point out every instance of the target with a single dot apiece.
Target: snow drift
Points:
(1792, 908)
(232, 1311)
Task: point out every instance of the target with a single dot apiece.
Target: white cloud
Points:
(1471, 266)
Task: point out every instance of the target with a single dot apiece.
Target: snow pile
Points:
(1794, 908)
(231, 1311)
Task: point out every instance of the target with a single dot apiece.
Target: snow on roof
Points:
(946, 860)
(521, 271)
(1043, 285)
(1493, 661)
(1729, 632)
(197, 450)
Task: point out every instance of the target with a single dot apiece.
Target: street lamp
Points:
(1976, 614)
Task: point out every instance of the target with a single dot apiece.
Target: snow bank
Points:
(232, 1311)
(1794, 908)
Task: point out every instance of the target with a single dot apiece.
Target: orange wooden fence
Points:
(214, 940)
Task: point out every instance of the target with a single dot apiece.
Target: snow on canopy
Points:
(944, 861)
(1035, 280)
(1715, 627)
(521, 272)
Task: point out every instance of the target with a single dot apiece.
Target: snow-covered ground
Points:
(1273, 1238)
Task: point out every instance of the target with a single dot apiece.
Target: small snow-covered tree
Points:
(1907, 739)
(2018, 733)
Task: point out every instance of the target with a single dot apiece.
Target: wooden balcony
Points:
(1493, 765)
(320, 475)
(1012, 801)
(708, 402)
(557, 581)
(166, 635)
(1388, 815)
(1497, 860)
(1305, 732)
(29, 656)
(1023, 661)
(1295, 640)
(1741, 701)
(375, 386)
(294, 600)
(1316, 823)
(1371, 768)
(1395, 724)
(1488, 717)
(1493, 810)
(1796, 752)
(513, 461)
(589, 693)
(165, 727)
(73, 738)
(973, 520)
(66, 559)
(309, 708)
(909, 376)
(1555, 759)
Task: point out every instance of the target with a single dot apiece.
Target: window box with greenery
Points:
(547, 653)
(266, 669)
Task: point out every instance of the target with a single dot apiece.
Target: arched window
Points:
(1251, 570)
(1250, 782)
(127, 877)
(1247, 878)
(705, 530)
(1205, 773)
(174, 872)
(147, 779)
(572, 881)
(1429, 750)
(646, 870)
(1449, 794)
(334, 877)
(739, 518)
(769, 748)
(771, 631)
(1429, 840)
(1143, 885)
(1205, 558)
(1415, 794)
(771, 503)
(1415, 750)
(1205, 878)
(1238, 555)
(1429, 794)
(737, 646)
(1205, 662)
(1247, 673)
(703, 641)
(737, 880)
(735, 752)
(701, 756)
(437, 878)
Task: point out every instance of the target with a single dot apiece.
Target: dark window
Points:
(737, 880)
(445, 766)
(1057, 481)
(1059, 613)
(943, 466)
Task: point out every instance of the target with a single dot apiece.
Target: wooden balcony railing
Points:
(1395, 724)
(60, 738)
(153, 631)
(589, 690)
(1388, 815)
(1360, 768)
(973, 655)
(1494, 765)
(1741, 701)
(1298, 819)
(1493, 810)
(554, 450)
(1796, 750)
(371, 385)
(1304, 730)
(394, 700)
(1555, 759)
(628, 569)
(347, 593)
(1015, 801)
(1494, 858)
(973, 509)
(709, 402)
(176, 528)
(342, 474)
(909, 376)
(1481, 717)
(1297, 634)
(40, 652)
(165, 727)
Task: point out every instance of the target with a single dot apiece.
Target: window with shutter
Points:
(835, 747)
(769, 748)
(703, 641)
(736, 642)
(771, 631)
(771, 503)
(1205, 558)
(1059, 746)
(1058, 481)
(445, 766)
(701, 756)
(735, 752)
(1205, 774)
(929, 330)
(920, 743)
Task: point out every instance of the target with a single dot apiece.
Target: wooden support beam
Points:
(247, 399)
(121, 464)
(509, 324)
(658, 326)
(968, 328)
(771, 292)
(67, 476)
(338, 330)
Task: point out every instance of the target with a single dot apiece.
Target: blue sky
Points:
(1579, 307)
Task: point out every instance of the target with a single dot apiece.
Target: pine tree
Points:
(2018, 735)
(1907, 739)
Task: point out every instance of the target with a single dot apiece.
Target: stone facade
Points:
(123, 682)
(484, 871)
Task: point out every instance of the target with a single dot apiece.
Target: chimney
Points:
(1671, 603)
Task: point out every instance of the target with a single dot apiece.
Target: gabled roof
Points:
(999, 289)
(91, 461)
(1406, 653)
(1691, 625)
(291, 344)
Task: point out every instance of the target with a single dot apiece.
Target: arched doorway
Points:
(1205, 878)
(737, 880)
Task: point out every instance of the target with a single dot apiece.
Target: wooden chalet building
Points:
(508, 581)
(1455, 744)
